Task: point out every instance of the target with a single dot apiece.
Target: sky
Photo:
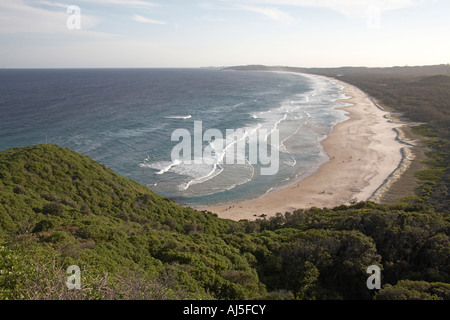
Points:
(203, 33)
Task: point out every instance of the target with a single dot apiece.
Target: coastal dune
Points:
(363, 152)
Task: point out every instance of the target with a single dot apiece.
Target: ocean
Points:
(126, 118)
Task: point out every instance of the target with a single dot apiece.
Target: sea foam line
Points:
(179, 117)
(170, 166)
(211, 175)
(219, 158)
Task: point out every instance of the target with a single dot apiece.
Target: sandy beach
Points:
(363, 152)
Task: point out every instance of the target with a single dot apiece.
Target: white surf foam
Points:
(179, 117)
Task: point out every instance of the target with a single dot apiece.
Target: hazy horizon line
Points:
(230, 66)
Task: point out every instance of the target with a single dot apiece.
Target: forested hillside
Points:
(59, 208)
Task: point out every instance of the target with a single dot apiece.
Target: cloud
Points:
(19, 17)
(146, 20)
(352, 8)
(54, 4)
(139, 3)
(270, 13)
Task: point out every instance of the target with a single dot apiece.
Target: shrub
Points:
(94, 232)
(85, 209)
(45, 225)
(19, 189)
(53, 208)
(69, 202)
(58, 237)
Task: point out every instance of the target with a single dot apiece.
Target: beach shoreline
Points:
(363, 152)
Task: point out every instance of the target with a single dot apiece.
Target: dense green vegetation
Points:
(59, 208)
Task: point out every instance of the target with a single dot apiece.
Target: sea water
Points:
(124, 118)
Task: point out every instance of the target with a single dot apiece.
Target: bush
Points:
(53, 208)
(45, 225)
(58, 237)
(18, 189)
(96, 233)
